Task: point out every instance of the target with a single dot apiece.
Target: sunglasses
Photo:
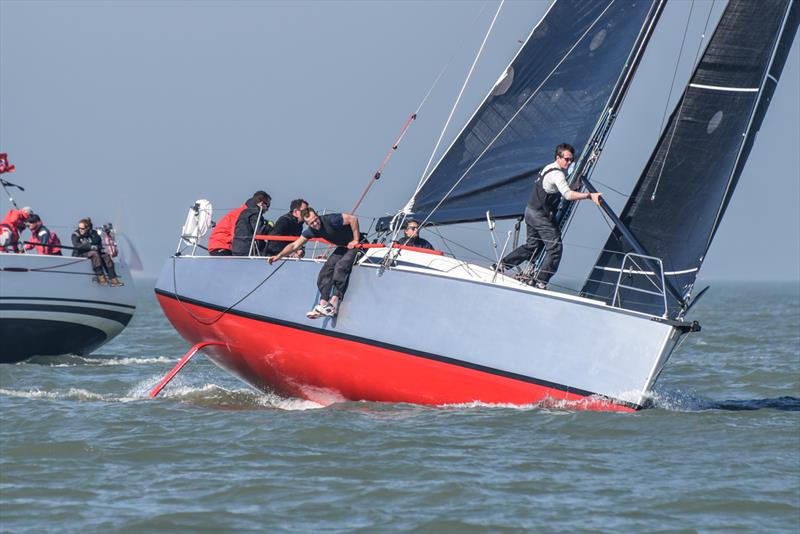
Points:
(412, 228)
(570, 159)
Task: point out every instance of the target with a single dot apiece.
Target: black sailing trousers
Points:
(99, 261)
(542, 231)
(334, 275)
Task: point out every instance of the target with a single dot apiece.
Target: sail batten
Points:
(681, 196)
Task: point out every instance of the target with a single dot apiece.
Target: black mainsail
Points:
(681, 196)
(554, 91)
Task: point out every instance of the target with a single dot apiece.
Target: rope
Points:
(226, 310)
(377, 175)
(425, 175)
(508, 123)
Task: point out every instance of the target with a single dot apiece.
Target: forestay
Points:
(553, 92)
(678, 202)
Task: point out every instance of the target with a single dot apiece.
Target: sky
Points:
(130, 111)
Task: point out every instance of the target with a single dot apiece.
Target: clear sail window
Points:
(715, 121)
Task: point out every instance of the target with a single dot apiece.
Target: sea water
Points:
(83, 448)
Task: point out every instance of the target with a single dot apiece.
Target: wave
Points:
(72, 360)
(683, 401)
(69, 394)
(214, 395)
(210, 395)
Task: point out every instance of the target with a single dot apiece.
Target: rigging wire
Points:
(203, 320)
(683, 101)
(514, 116)
(425, 175)
(377, 175)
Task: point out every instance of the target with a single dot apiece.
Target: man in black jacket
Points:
(86, 243)
(412, 238)
(251, 222)
(340, 229)
(288, 224)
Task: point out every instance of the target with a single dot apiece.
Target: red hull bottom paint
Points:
(327, 369)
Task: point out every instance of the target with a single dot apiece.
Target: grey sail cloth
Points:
(595, 38)
(678, 202)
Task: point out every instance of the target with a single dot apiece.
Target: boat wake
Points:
(683, 401)
(68, 394)
(215, 396)
(72, 360)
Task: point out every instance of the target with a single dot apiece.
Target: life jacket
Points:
(222, 234)
(9, 238)
(52, 241)
(109, 244)
(540, 199)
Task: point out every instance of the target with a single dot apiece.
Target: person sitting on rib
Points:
(412, 238)
(288, 224)
(341, 229)
(86, 243)
(42, 239)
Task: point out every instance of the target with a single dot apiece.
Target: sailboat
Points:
(433, 329)
(52, 305)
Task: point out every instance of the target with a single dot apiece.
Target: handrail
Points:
(661, 290)
(361, 245)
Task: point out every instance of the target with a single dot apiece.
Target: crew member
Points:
(251, 221)
(219, 242)
(45, 241)
(288, 224)
(412, 238)
(549, 188)
(341, 229)
(11, 226)
(86, 243)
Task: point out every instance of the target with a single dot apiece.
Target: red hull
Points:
(323, 368)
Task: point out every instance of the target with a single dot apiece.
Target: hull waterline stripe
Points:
(397, 348)
(122, 318)
(54, 299)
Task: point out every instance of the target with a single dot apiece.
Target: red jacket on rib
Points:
(222, 234)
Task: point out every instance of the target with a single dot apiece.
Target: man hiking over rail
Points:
(341, 229)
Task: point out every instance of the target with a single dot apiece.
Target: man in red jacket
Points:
(11, 226)
(219, 242)
(45, 241)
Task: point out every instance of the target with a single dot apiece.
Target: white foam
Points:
(71, 393)
(214, 393)
(81, 360)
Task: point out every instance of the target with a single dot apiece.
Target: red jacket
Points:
(45, 237)
(222, 234)
(15, 222)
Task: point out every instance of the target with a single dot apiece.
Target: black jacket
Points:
(285, 225)
(244, 228)
(415, 242)
(82, 244)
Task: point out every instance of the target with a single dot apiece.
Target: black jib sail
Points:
(678, 202)
(553, 92)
